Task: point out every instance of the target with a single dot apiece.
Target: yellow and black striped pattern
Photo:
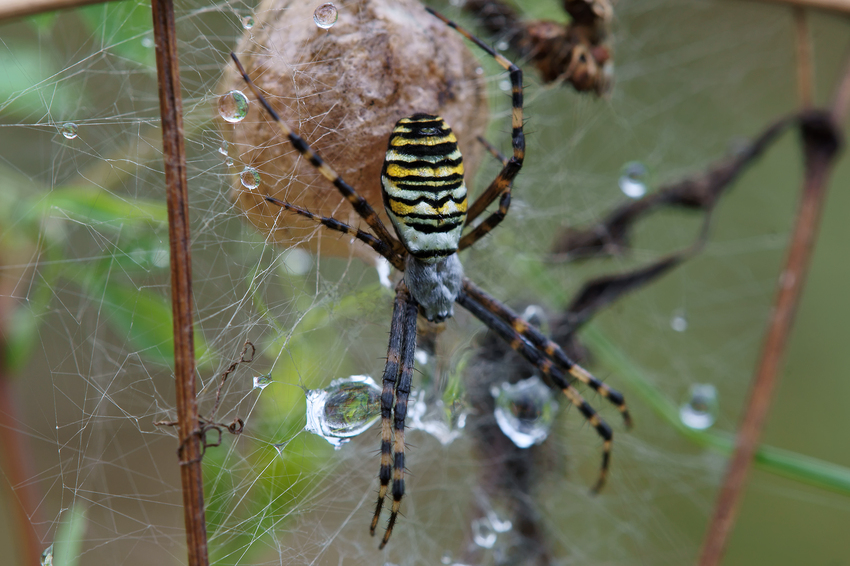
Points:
(423, 187)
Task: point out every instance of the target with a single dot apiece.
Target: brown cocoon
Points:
(343, 90)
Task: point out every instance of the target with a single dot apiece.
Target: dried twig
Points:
(821, 142)
(171, 110)
(17, 463)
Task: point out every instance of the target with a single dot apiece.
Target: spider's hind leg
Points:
(398, 376)
(525, 347)
(549, 348)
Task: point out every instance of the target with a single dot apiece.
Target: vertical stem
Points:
(804, 58)
(821, 141)
(15, 456)
(171, 109)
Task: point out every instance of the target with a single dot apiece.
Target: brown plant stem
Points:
(171, 110)
(17, 466)
(821, 142)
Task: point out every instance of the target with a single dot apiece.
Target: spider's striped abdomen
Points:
(423, 187)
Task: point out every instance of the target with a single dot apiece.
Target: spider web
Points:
(86, 287)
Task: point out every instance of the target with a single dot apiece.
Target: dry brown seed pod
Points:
(343, 90)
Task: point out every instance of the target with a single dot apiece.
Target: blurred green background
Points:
(85, 286)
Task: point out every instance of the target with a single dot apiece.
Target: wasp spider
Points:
(426, 199)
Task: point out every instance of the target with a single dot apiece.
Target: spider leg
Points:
(359, 203)
(402, 394)
(502, 184)
(399, 361)
(333, 224)
(525, 347)
(548, 347)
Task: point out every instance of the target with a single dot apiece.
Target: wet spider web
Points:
(85, 294)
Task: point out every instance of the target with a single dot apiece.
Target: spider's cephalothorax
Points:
(424, 194)
(425, 197)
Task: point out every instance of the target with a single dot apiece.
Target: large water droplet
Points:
(483, 533)
(344, 409)
(326, 16)
(262, 381)
(47, 556)
(233, 106)
(250, 178)
(296, 261)
(525, 411)
(700, 411)
(632, 179)
(248, 22)
(678, 322)
(69, 130)
(431, 416)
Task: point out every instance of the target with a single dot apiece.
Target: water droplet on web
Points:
(525, 411)
(431, 416)
(505, 85)
(700, 411)
(47, 556)
(678, 322)
(262, 381)
(297, 261)
(223, 148)
(233, 106)
(147, 42)
(502, 45)
(421, 356)
(447, 558)
(483, 533)
(69, 130)
(344, 409)
(250, 178)
(229, 162)
(632, 179)
(326, 16)
(248, 22)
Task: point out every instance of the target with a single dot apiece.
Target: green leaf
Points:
(143, 318)
(96, 205)
(28, 86)
(69, 537)
(123, 28)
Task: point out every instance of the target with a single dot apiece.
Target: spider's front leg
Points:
(398, 376)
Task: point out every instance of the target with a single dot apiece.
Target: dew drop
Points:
(47, 556)
(502, 45)
(483, 533)
(69, 130)
(233, 106)
(344, 409)
(229, 162)
(248, 22)
(147, 42)
(632, 179)
(297, 261)
(446, 558)
(505, 85)
(700, 411)
(250, 178)
(262, 381)
(326, 16)
(525, 411)
(223, 148)
(446, 424)
(678, 322)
